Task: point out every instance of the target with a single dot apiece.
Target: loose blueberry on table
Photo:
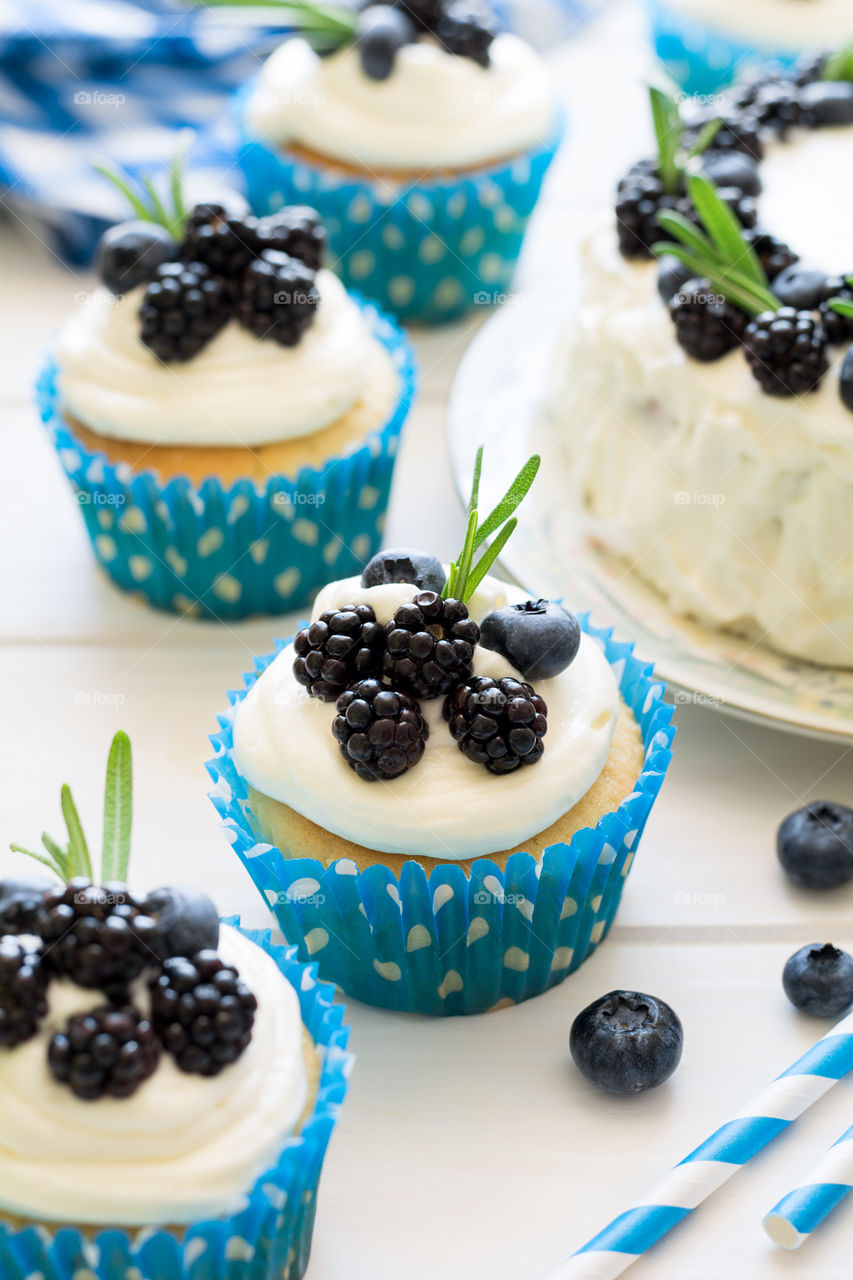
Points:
(626, 1042)
(815, 845)
(151, 962)
(818, 979)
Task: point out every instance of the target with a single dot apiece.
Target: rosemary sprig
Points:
(325, 26)
(717, 251)
(839, 65)
(669, 136)
(145, 200)
(75, 860)
(844, 306)
(465, 576)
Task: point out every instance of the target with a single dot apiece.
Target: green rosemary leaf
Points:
(57, 853)
(724, 229)
(488, 558)
(843, 306)
(79, 861)
(118, 810)
(176, 187)
(668, 129)
(707, 134)
(737, 289)
(122, 182)
(466, 558)
(474, 499)
(330, 19)
(40, 857)
(685, 231)
(158, 209)
(839, 65)
(514, 495)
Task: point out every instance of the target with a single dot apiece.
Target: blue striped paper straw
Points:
(797, 1214)
(684, 1188)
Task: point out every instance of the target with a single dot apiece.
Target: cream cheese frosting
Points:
(446, 807)
(435, 110)
(733, 503)
(238, 391)
(775, 24)
(183, 1147)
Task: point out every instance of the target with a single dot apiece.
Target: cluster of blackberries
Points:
(260, 272)
(641, 196)
(463, 27)
(105, 939)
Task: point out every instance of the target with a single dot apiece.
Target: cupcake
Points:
(227, 414)
(174, 1080)
(439, 784)
(703, 390)
(422, 135)
(706, 44)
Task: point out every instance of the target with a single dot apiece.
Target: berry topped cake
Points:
(437, 721)
(160, 1070)
(704, 393)
(202, 398)
(421, 132)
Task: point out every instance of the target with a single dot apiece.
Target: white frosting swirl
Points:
(774, 24)
(435, 110)
(183, 1147)
(238, 391)
(447, 807)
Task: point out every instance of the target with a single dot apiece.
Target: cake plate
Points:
(499, 399)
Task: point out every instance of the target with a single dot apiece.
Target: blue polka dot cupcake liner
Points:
(267, 1236)
(702, 59)
(454, 943)
(227, 553)
(426, 250)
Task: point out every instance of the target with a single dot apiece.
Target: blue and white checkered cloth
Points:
(89, 81)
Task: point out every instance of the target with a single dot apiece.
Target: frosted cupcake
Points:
(421, 134)
(706, 44)
(227, 413)
(172, 1082)
(450, 780)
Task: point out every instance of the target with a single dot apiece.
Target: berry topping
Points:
(342, 646)
(706, 325)
(800, 287)
(97, 937)
(222, 243)
(837, 326)
(845, 383)
(187, 920)
(402, 565)
(774, 255)
(736, 132)
(183, 307)
(468, 28)
(20, 900)
(430, 646)
(23, 989)
(202, 1012)
(672, 276)
(424, 13)
(819, 980)
(828, 102)
(786, 351)
(815, 845)
(295, 230)
(108, 1051)
(771, 101)
(278, 298)
(130, 253)
(640, 196)
(381, 733)
(626, 1042)
(732, 169)
(498, 723)
(382, 30)
(539, 637)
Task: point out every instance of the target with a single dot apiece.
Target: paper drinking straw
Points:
(797, 1214)
(713, 1162)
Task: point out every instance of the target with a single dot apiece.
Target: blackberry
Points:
(23, 989)
(810, 68)
(129, 254)
(381, 733)
(425, 14)
(774, 255)
(202, 1012)
(430, 646)
(110, 1050)
(731, 169)
(20, 902)
(640, 196)
(381, 32)
(498, 723)
(295, 230)
(467, 28)
(737, 132)
(224, 244)
(772, 101)
(182, 308)
(706, 325)
(278, 297)
(742, 206)
(343, 645)
(97, 937)
(786, 351)
(838, 328)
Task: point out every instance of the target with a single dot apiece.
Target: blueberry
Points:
(829, 101)
(20, 898)
(539, 637)
(819, 980)
(800, 287)
(672, 276)
(186, 919)
(130, 253)
(845, 385)
(382, 30)
(626, 1042)
(732, 169)
(402, 564)
(815, 845)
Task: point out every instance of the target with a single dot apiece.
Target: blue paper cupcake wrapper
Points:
(227, 553)
(427, 250)
(268, 1237)
(452, 943)
(702, 59)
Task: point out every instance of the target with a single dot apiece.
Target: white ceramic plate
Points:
(498, 399)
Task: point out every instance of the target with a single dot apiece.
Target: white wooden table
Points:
(468, 1147)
